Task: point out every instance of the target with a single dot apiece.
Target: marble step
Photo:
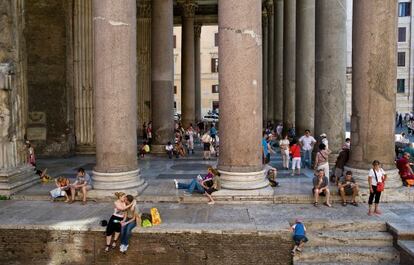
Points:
(343, 263)
(350, 238)
(348, 254)
(315, 225)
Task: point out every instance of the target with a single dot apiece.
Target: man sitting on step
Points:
(347, 186)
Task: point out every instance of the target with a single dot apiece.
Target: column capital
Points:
(144, 9)
(188, 8)
(269, 7)
(197, 30)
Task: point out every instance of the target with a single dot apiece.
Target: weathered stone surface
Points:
(270, 59)
(278, 62)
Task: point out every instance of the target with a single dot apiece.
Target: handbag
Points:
(380, 185)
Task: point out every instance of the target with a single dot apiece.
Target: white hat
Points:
(323, 135)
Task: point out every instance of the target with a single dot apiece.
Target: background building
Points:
(209, 69)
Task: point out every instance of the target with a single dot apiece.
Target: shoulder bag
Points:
(380, 185)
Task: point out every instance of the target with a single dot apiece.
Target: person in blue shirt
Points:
(299, 235)
(265, 148)
(213, 132)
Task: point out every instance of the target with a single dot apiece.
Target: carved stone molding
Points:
(188, 8)
(143, 9)
(269, 7)
(264, 17)
(197, 30)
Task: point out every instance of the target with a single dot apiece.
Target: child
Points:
(299, 235)
(145, 149)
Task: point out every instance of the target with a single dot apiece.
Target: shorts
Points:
(299, 239)
(348, 191)
(206, 146)
(114, 225)
(320, 193)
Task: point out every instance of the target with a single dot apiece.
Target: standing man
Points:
(307, 142)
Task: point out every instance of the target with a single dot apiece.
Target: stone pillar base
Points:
(244, 183)
(85, 149)
(104, 184)
(17, 179)
(158, 149)
(266, 191)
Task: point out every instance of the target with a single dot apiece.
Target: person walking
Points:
(307, 142)
(376, 183)
(284, 150)
(206, 139)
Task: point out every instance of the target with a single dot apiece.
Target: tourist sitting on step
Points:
(169, 149)
(179, 149)
(299, 236)
(320, 187)
(405, 170)
(114, 225)
(347, 186)
(196, 184)
(212, 186)
(83, 183)
(145, 149)
(130, 221)
(271, 174)
(62, 189)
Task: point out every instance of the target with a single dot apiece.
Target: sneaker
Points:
(121, 248)
(126, 248)
(176, 183)
(186, 193)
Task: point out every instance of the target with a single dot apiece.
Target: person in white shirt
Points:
(284, 150)
(169, 148)
(376, 175)
(190, 133)
(324, 140)
(307, 142)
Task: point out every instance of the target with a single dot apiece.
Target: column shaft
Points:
(197, 62)
(270, 58)
(187, 64)
(83, 76)
(305, 65)
(289, 62)
(278, 62)
(330, 71)
(115, 95)
(162, 63)
(240, 43)
(373, 87)
(144, 63)
(265, 65)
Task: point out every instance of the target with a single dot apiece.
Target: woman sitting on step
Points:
(130, 221)
(196, 184)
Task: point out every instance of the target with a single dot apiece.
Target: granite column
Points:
(289, 62)
(240, 44)
(330, 72)
(278, 62)
(265, 65)
(187, 63)
(270, 58)
(305, 65)
(162, 68)
(197, 63)
(115, 67)
(373, 89)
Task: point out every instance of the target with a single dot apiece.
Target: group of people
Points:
(64, 188)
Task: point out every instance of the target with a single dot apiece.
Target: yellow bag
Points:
(155, 215)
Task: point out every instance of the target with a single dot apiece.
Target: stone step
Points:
(343, 263)
(350, 238)
(345, 225)
(348, 254)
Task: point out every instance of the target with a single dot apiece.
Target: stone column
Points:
(305, 65)
(115, 67)
(187, 63)
(240, 42)
(289, 62)
(83, 76)
(144, 63)
(265, 65)
(15, 173)
(330, 71)
(197, 63)
(270, 57)
(373, 89)
(162, 64)
(278, 62)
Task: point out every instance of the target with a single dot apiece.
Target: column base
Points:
(85, 149)
(158, 149)
(104, 184)
(266, 191)
(17, 179)
(244, 181)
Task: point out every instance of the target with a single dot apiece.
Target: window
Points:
(402, 34)
(175, 41)
(404, 9)
(214, 89)
(215, 106)
(400, 85)
(401, 59)
(175, 90)
(214, 65)
(216, 39)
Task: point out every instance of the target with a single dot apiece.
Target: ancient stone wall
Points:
(50, 123)
(77, 247)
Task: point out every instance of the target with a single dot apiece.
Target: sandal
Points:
(113, 244)
(107, 248)
(343, 203)
(329, 205)
(292, 252)
(315, 204)
(355, 204)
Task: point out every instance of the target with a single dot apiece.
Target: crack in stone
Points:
(257, 37)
